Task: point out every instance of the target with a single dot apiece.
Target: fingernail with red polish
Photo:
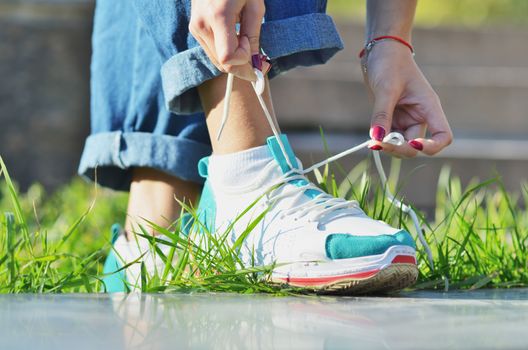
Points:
(378, 132)
(376, 148)
(256, 61)
(416, 145)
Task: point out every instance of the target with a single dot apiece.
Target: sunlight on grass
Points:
(57, 243)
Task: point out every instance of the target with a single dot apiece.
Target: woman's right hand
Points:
(213, 24)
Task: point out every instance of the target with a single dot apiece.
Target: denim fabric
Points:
(146, 63)
(294, 33)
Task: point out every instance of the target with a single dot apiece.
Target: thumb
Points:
(381, 120)
(250, 23)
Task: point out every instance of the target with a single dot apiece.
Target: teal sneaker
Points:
(114, 280)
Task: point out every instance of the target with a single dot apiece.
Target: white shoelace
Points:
(323, 203)
(319, 205)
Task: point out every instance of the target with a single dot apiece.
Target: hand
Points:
(404, 101)
(213, 25)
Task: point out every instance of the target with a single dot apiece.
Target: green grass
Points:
(57, 243)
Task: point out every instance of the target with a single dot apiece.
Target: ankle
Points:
(152, 199)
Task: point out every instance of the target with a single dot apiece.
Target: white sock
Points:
(239, 168)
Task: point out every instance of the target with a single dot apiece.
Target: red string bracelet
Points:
(373, 42)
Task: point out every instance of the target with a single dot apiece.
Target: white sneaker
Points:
(122, 268)
(318, 242)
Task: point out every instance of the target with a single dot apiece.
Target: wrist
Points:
(393, 46)
(388, 53)
(404, 34)
(370, 45)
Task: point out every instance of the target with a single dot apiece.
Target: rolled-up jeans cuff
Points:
(109, 157)
(296, 41)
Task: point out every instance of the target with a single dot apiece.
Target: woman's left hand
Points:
(404, 101)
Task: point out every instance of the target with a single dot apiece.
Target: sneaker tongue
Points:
(279, 156)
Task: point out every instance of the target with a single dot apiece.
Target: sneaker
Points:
(123, 265)
(315, 240)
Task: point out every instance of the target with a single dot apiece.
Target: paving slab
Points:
(489, 319)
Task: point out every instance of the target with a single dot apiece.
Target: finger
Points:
(407, 150)
(441, 134)
(203, 35)
(242, 71)
(414, 132)
(224, 48)
(402, 151)
(251, 22)
(229, 49)
(209, 52)
(384, 104)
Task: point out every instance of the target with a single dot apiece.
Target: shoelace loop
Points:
(330, 203)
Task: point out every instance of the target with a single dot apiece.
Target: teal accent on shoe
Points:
(186, 222)
(207, 207)
(116, 231)
(203, 167)
(346, 246)
(276, 152)
(113, 281)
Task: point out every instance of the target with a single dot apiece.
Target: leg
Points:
(136, 144)
(323, 243)
(152, 198)
(185, 71)
(247, 126)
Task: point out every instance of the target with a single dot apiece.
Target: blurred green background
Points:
(469, 13)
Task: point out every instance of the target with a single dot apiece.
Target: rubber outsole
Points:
(390, 279)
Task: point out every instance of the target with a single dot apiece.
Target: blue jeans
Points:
(146, 66)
